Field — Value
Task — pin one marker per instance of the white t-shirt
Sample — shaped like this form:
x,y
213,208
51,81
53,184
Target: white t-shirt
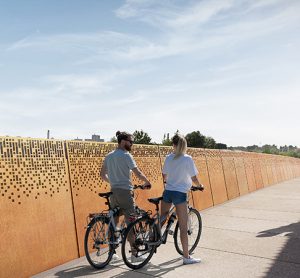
x,y
179,172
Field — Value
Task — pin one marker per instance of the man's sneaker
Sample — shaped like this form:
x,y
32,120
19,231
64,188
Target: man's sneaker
x,y
115,257
138,259
191,260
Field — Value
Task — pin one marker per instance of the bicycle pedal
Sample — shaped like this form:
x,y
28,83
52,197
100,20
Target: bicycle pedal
x,y
170,232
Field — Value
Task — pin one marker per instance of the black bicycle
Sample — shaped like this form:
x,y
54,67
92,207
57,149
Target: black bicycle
x,y
103,236
143,236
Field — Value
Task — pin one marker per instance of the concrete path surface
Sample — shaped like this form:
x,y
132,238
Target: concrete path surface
x,y
256,235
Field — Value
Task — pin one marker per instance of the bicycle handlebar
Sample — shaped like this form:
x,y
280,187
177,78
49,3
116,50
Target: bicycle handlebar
x,y
195,188
135,186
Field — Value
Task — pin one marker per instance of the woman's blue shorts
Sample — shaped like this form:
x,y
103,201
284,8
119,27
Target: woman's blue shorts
x,y
174,197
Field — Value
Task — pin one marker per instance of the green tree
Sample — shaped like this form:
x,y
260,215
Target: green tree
x,y
195,139
209,143
221,146
253,148
167,141
114,139
270,149
141,137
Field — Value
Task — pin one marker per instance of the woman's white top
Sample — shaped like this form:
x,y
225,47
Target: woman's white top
x,y
179,172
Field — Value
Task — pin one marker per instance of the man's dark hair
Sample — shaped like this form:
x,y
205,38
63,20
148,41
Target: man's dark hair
x,y
122,136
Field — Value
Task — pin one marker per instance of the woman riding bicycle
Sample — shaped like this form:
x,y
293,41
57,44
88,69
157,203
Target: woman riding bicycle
x,y
179,172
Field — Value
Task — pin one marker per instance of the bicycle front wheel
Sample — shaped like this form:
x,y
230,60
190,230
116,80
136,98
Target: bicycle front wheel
x,y
98,243
194,231
137,244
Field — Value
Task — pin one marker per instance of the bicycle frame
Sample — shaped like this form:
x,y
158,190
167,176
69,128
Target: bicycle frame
x,y
158,222
111,214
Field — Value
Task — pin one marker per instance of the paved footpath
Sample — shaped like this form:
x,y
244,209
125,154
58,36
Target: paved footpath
x,y
256,235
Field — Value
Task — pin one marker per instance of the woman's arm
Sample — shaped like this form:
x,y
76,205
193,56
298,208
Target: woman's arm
x,y
196,181
164,178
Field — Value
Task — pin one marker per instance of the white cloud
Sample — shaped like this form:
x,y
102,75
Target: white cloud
x,y
200,13
191,28
186,31
98,42
217,81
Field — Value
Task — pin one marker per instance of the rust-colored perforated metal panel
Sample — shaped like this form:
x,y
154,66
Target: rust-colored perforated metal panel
x,y
274,169
263,168
148,160
163,152
202,199
257,170
284,168
297,165
230,174
37,230
216,176
86,159
290,169
240,172
281,167
287,164
293,168
270,169
278,169
249,171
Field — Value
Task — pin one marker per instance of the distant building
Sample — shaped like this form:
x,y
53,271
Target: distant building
x,y
95,138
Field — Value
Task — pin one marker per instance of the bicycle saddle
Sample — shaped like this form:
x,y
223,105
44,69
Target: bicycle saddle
x,y
155,200
105,195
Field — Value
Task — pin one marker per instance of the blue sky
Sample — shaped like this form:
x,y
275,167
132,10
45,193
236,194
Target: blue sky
x,y
228,68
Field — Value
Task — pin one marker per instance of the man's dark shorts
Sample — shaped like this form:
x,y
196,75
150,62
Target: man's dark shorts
x,y
123,198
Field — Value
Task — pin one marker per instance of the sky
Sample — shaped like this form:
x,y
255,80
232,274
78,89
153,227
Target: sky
x,y
228,68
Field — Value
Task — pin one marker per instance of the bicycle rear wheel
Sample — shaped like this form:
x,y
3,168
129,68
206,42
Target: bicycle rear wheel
x,y
98,242
194,231
137,249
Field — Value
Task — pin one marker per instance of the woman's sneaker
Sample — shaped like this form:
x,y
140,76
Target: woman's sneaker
x,y
115,257
191,260
138,259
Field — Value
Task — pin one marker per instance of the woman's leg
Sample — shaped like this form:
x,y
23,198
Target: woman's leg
x,y
182,214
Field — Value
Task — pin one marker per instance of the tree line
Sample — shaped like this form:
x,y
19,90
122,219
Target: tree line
x,y
290,150
197,140
194,139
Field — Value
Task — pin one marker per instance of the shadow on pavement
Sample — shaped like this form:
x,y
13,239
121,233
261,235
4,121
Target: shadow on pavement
x,y
81,271
291,230
287,262
149,269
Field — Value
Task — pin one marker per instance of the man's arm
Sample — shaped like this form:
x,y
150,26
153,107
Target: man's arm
x,y
141,176
103,173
